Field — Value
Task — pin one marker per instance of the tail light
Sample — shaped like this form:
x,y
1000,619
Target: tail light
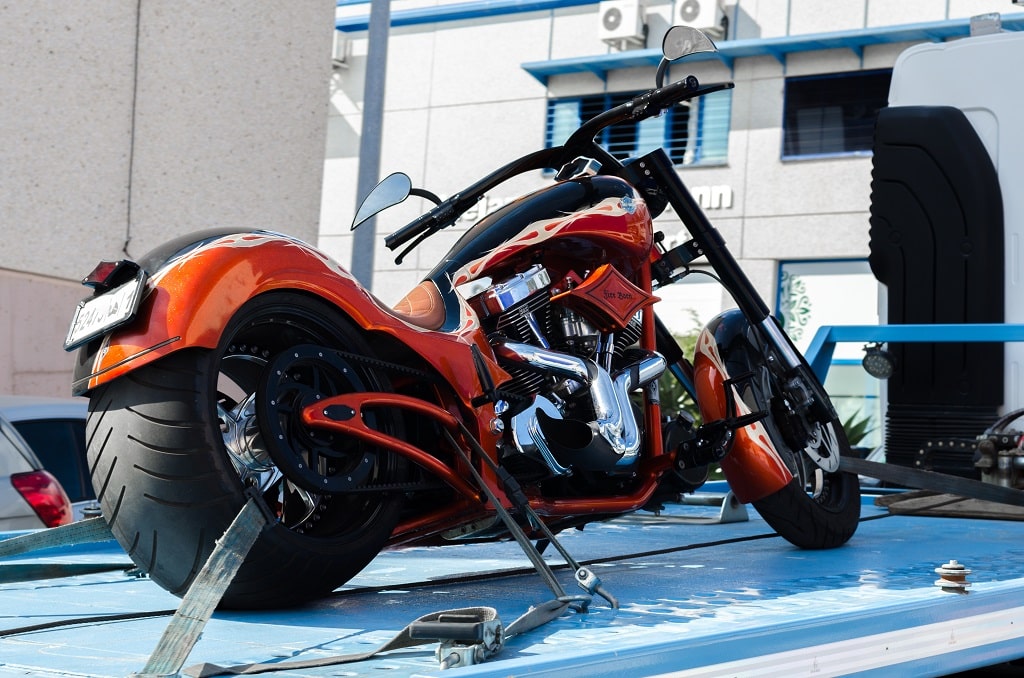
x,y
45,495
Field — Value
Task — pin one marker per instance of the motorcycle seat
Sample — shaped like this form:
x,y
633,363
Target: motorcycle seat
x,y
422,306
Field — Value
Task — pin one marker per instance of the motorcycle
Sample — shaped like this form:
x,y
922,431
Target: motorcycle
x,y
225,365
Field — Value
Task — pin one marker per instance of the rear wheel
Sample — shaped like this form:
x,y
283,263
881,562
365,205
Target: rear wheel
x,y
818,508
174,445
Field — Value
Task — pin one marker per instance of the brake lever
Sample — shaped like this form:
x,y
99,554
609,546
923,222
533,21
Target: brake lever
x,y
431,230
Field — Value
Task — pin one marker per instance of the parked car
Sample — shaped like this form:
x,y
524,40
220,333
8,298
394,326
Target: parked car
x,y
30,496
54,429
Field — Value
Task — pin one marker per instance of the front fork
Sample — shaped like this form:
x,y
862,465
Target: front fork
x,y
708,242
754,467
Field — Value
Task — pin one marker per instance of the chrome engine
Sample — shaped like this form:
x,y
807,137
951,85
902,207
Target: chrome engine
x,y
576,380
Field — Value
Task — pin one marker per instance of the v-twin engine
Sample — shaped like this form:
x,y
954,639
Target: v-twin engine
x,y
576,379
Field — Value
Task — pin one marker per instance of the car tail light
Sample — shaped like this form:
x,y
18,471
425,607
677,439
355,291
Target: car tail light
x,y
45,495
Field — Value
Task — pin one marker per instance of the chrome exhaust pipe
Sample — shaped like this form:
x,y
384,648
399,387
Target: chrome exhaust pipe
x,y
614,435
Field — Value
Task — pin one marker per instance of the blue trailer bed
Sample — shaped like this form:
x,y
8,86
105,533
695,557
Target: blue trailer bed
x,y
697,598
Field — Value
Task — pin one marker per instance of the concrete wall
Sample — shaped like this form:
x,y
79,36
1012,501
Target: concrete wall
x,y
124,124
35,312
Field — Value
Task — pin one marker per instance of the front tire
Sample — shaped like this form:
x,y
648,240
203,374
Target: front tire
x,y
817,509
174,445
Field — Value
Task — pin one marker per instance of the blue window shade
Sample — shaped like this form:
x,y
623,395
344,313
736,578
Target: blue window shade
x,y
712,133
563,119
692,134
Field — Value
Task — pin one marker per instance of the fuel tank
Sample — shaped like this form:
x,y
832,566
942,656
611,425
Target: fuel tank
x,y
588,221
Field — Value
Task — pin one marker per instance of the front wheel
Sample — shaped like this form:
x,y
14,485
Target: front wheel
x,y
175,445
818,508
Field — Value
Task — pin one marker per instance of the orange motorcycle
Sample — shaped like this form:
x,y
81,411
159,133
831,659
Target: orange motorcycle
x,y
229,365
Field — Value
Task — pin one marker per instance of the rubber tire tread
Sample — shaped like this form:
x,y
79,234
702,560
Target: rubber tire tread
x,y
168,491
794,514
805,523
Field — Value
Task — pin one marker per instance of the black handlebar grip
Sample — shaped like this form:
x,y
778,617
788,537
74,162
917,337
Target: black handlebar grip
x,y
409,231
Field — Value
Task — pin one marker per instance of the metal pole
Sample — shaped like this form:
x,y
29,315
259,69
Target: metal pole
x,y
370,139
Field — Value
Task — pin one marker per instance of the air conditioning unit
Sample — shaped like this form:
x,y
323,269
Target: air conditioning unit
x,y
707,15
621,23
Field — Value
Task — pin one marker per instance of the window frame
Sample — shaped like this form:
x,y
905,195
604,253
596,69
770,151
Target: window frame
x,y
789,133
67,463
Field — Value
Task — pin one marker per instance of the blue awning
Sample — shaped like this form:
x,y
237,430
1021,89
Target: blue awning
x,y
730,50
453,12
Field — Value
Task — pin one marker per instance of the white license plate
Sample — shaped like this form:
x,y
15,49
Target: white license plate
x,y
97,315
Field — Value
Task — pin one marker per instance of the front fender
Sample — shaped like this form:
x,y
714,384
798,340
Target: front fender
x,y
194,290
753,467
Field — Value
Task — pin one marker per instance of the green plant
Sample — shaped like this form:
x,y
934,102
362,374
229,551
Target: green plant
x,y
857,427
674,398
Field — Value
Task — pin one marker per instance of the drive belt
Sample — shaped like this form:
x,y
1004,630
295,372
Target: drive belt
x,y
931,480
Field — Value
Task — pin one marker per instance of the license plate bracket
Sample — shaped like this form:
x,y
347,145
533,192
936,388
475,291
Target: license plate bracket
x,y
98,315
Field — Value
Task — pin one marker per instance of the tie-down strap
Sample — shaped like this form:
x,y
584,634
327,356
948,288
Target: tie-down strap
x,y
468,635
931,480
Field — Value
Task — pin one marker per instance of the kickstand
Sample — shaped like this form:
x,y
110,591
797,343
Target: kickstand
x,y
585,578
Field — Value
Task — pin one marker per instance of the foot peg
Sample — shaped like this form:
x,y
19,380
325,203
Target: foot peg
x,y
710,442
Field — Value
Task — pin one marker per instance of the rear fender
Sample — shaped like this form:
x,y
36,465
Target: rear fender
x,y
753,467
194,292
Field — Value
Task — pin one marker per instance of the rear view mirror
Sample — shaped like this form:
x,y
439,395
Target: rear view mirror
x,y
681,41
392,190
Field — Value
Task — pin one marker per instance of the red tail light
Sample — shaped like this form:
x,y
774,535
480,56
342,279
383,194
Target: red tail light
x,y
45,495
108,274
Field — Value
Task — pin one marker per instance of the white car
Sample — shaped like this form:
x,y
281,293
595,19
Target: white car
x,y
30,497
54,429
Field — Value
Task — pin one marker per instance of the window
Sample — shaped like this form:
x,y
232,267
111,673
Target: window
x,y
813,294
696,133
14,458
60,446
833,114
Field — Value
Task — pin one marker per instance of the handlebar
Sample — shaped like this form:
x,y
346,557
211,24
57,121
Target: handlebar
x,y
445,214
581,142
643,106
422,224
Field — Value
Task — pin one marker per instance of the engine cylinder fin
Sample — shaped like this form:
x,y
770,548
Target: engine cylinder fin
x,y
628,337
524,382
517,322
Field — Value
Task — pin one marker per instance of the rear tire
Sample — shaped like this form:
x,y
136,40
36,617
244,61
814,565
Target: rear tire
x,y
169,487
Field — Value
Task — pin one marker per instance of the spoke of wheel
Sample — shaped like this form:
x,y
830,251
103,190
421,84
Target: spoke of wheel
x,y
819,482
307,498
313,461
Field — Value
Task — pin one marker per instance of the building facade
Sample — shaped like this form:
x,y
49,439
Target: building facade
x,y
126,126
781,163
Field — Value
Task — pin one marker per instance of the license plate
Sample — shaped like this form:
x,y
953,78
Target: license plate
x,y
96,316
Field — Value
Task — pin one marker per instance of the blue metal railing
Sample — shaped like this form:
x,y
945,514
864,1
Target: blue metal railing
x,y
476,9
819,353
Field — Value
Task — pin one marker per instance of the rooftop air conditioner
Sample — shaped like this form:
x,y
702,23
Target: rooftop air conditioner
x,y
707,15
621,23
